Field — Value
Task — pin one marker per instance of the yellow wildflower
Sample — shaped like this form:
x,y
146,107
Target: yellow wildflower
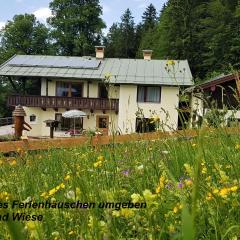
x,y
188,182
194,145
209,196
90,222
71,233
224,177
237,146
148,195
170,62
116,213
13,162
175,209
100,158
136,197
125,212
97,164
62,185
208,178
161,183
108,76
188,168
215,191
158,189
234,188
171,228
155,119
4,196
31,226
67,177
52,191
224,192
204,170
44,194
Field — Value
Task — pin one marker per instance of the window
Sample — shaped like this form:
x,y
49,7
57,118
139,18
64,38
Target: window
x,y
76,90
67,124
145,125
102,121
64,89
103,93
149,94
32,118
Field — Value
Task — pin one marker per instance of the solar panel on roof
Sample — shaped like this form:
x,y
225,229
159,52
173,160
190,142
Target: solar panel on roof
x,y
55,62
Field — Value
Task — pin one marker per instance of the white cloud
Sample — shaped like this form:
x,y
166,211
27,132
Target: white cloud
x,y
19,1
42,14
2,24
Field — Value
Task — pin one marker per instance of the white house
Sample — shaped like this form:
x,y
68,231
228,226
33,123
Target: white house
x,y
116,94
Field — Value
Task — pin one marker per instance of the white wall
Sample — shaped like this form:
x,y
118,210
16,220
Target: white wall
x,y
125,121
39,127
128,106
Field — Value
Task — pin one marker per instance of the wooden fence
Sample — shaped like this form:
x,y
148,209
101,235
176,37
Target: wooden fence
x,y
45,144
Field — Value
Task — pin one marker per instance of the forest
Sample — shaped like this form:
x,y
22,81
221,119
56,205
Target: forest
x,y
205,32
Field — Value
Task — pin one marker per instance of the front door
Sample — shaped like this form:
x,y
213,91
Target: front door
x,y
103,124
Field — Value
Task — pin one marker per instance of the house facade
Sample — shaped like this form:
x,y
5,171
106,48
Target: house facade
x,y
117,95
220,94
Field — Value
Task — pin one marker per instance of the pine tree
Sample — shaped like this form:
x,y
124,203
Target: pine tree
x,y
127,28
146,30
149,17
120,41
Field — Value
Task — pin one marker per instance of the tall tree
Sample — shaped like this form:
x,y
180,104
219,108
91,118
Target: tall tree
x,y
149,17
120,41
145,30
23,35
77,26
127,27
113,41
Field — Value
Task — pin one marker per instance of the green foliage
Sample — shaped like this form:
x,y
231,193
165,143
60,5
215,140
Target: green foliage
x,y
216,117
120,40
204,32
149,17
23,35
77,26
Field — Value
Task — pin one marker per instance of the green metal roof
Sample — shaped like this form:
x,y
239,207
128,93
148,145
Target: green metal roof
x,y
122,71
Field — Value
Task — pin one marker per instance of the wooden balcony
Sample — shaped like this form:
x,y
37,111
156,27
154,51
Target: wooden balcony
x,y
64,102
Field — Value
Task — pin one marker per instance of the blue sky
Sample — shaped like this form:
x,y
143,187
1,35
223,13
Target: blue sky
x,y
112,9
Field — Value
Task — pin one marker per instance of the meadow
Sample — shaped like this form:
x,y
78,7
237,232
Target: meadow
x,y
190,187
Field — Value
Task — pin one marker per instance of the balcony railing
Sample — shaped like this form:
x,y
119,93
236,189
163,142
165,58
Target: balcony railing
x,y
64,102
6,121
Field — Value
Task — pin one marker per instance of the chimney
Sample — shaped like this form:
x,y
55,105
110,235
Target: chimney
x,y
100,52
147,54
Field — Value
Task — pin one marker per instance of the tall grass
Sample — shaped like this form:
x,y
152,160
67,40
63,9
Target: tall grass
x,y
191,187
